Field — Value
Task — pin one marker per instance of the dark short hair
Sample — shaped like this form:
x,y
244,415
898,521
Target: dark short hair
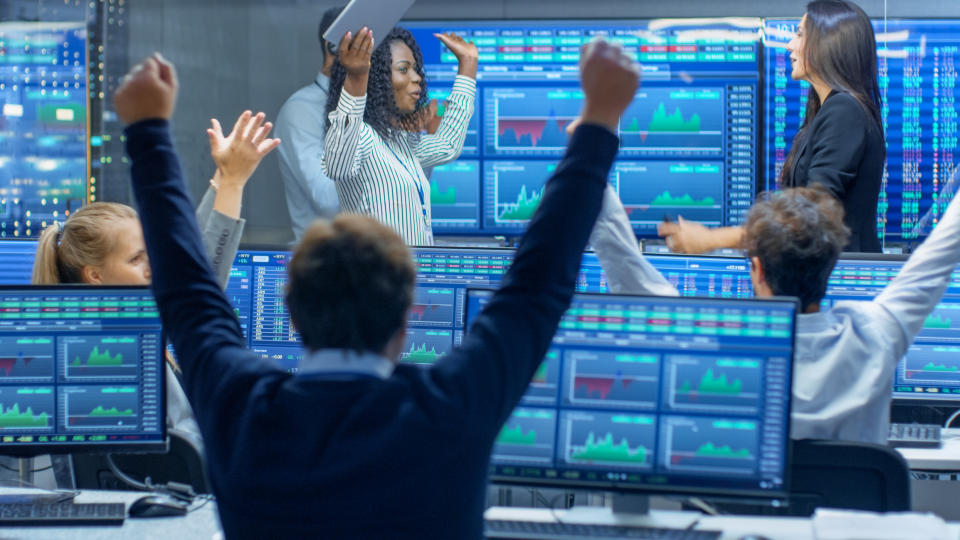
x,y
798,235
350,284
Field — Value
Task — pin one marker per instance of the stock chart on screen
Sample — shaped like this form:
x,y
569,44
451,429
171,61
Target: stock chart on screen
x,y
930,371
654,391
687,142
43,124
918,87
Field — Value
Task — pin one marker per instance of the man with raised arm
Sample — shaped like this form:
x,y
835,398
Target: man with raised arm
x,y
845,356
355,445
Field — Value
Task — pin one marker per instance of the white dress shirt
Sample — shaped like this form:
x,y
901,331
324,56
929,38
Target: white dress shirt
x,y
384,178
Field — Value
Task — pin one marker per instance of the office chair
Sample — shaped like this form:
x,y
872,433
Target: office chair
x,y
182,463
840,474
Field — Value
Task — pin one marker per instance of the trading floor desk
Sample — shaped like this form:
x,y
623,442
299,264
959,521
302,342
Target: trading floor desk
x,y
936,476
202,523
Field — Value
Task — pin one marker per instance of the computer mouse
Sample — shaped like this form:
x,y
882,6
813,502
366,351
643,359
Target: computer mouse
x,y
157,506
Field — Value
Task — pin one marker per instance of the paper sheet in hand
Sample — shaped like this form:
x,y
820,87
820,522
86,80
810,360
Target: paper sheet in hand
x,y
377,15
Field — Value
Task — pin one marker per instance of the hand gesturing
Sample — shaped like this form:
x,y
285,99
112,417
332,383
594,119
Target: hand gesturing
x,y
238,154
354,52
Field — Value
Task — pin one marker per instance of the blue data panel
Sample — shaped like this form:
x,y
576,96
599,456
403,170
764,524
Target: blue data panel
x,y
425,346
529,121
471,147
654,190
918,89
709,446
43,124
545,386
17,261
27,359
699,103
27,409
455,197
711,383
611,379
527,437
511,193
607,441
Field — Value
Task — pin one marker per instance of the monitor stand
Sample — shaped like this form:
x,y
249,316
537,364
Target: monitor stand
x,y
630,504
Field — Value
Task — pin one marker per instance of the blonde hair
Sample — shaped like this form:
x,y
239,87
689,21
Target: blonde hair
x,y
86,238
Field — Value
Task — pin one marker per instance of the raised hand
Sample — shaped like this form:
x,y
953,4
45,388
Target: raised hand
x,y
609,79
238,154
149,90
465,51
355,50
686,236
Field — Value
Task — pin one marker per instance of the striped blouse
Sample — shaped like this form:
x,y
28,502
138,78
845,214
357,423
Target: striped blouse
x,y
384,178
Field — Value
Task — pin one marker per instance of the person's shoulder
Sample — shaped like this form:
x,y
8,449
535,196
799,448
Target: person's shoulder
x,y
844,105
306,98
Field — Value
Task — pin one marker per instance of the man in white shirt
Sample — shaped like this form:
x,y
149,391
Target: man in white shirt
x,y
301,125
846,356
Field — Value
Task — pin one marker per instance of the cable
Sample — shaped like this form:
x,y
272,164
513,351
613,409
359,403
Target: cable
x,y
41,469
703,506
950,420
204,499
139,486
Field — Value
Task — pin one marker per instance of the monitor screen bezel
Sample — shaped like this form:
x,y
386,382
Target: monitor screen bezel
x,y
125,447
778,496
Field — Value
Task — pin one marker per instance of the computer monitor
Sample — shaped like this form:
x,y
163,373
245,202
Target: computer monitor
x,y
657,394
16,261
43,150
916,86
930,371
81,369
687,142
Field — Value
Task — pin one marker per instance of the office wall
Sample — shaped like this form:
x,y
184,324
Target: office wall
x,y
236,54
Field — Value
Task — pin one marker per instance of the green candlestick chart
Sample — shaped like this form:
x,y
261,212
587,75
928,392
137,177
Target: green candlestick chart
x,y
421,354
710,450
448,197
525,206
113,411
665,199
936,321
13,418
662,122
939,367
515,435
709,384
606,450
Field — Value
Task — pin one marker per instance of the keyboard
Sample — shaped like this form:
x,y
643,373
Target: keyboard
x,y
550,530
57,514
914,436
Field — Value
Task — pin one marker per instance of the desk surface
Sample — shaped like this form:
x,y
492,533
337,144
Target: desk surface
x,y
732,527
200,523
945,458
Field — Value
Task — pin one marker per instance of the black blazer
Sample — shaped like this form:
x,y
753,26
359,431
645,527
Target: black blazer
x,y
844,153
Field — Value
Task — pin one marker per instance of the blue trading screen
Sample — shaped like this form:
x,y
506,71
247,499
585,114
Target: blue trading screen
x,y
667,394
687,141
931,367
918,85
43,124
17,257
80,367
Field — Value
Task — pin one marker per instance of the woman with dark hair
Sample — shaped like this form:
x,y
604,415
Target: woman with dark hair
x,y
840,144
375,150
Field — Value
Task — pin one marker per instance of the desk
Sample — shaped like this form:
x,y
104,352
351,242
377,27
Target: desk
x,y
733,527
202,523
935,486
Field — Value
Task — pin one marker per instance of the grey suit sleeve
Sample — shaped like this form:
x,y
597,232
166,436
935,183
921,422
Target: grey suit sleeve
x,y
221,236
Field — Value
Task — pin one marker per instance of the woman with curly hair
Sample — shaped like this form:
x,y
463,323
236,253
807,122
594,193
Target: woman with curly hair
x,y
375,149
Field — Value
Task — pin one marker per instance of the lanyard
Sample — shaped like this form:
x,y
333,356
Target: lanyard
x,y
416,181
